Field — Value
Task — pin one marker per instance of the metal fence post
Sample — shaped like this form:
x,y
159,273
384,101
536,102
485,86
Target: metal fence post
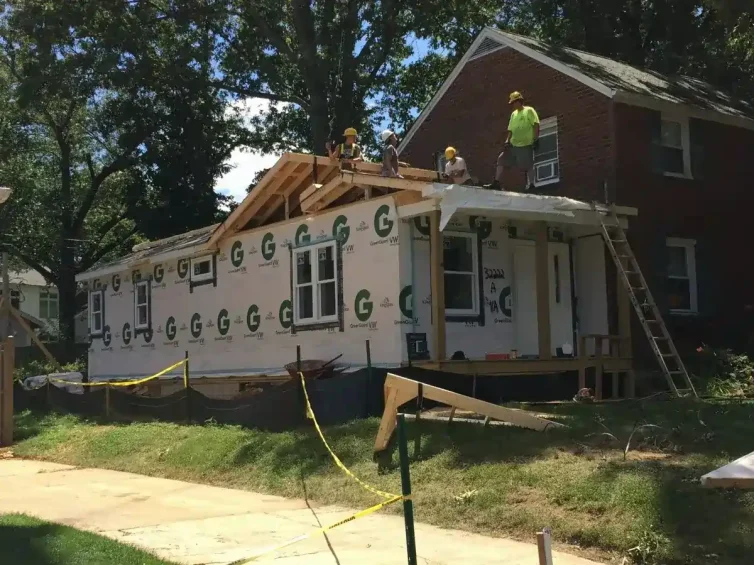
x,y
408,505
186,385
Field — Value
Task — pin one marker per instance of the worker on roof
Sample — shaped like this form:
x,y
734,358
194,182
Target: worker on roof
x,y
346,151
520,143
455,167
390,161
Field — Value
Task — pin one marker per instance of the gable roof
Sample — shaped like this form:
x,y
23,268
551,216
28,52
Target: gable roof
x,y
618,81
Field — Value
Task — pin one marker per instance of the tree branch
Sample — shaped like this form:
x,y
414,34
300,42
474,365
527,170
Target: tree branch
x,y
390,10
16,252
274,35
88,261
258,94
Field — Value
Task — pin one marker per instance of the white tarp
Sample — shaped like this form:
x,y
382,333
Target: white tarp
x,y
482,202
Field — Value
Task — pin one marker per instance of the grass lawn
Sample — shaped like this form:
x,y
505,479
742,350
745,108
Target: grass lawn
x,y
28,541
646,505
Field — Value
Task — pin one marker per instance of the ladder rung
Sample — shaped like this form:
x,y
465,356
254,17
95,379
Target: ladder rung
x,y
618,240
659,338
668,354
631,272
676,372
635,288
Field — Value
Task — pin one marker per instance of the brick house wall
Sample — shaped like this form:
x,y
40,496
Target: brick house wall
x,y
473,117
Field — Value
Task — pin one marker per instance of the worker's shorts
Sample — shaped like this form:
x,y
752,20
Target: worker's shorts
x,y
521,157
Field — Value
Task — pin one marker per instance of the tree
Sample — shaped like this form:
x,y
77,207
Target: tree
x,y
120,132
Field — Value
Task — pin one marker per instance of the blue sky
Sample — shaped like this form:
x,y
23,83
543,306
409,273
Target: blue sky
x,y
246,165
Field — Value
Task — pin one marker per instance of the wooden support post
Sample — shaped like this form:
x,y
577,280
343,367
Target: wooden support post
x,y
583,356
630,383
542,261
598,369
6,386
437,287
452,413
616,385
544,545
408,505
624,318
287,207
107,401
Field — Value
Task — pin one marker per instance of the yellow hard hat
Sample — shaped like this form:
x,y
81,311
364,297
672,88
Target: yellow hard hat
x,y
350,131
515,96
450,152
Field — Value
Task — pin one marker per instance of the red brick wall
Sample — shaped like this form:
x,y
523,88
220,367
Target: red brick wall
x,y
473,116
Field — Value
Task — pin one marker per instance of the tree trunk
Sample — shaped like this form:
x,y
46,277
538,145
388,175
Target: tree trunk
x,y
320,122
67,293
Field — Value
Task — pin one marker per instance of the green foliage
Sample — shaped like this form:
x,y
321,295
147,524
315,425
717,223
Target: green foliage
x,y
44,367
723,372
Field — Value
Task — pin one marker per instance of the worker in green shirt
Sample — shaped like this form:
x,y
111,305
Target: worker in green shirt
x,y
521,142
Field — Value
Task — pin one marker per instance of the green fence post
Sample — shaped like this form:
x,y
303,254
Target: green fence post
x,y
408,505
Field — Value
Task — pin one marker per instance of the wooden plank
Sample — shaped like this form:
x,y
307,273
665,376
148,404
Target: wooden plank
x,y
437,287
407,172
583,356
736,474
319,198
598,370
314,187
16,314
6,385
387,182
400,390
406,197
544,547
542,261
483,367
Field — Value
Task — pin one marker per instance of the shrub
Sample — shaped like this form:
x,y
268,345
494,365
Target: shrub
x,y
722,372
44,367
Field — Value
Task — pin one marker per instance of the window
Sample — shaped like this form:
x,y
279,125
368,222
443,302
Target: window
x,y
461,260
202,269
15,298
546,164
315,284
681,275
96,312
48,305
674,140
142,318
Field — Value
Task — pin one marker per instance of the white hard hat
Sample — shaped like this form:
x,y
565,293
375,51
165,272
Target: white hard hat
x,y
387,134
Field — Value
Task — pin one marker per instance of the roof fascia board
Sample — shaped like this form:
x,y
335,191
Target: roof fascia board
x,y
443,89
681,108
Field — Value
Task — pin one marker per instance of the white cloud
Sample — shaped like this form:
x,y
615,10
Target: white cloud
x,y
245,164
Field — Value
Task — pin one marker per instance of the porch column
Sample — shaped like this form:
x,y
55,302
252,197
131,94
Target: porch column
x,y
625,348
437,286
543,290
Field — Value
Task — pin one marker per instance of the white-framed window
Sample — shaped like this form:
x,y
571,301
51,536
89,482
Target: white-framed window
x,y
202,269
461,263
546,161
315,284
142,305
675,146
681,274
96,312
48,304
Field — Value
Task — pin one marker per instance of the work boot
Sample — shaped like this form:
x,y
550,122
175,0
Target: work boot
x,y
495,185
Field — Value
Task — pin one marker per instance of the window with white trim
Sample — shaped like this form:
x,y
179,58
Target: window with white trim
x,y
96,312
675,145
315,284
681,275
461,263
202,269
142,306
48,305
546,159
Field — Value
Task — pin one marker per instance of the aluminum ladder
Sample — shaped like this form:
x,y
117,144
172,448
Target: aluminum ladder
x,y
646,309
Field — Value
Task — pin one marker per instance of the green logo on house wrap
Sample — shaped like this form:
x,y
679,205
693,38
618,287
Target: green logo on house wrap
x,y
183,268
159,273
148,335
107,336
285,314
253,319
480,226
362,305
422,225
302,235
196,325
170,328
268,246
116,283
236,253
340,229
405,302
383,225
126,333
223,322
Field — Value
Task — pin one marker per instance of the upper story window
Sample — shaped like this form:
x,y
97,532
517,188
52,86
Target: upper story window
x,y
48,305
96,312
315,284
546,162
461,263
681,274
675,146
142,306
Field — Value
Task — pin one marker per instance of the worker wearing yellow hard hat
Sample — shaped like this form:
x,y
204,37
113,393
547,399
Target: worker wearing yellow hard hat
x,y
520,143
456,170
348,150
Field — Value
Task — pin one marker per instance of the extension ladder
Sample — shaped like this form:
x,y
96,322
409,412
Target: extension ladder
x,y
646,309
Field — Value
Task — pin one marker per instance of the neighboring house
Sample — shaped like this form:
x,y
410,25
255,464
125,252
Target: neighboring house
x,y
327,260
678,150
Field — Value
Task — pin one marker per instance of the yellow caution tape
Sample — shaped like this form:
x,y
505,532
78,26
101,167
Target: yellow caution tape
x,y
338,462
323,530
123,383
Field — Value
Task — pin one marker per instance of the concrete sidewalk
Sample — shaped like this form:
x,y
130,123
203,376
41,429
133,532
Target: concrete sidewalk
x,y
198,524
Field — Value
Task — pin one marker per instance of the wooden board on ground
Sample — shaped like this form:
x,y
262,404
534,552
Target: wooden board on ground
x,y
737,474
399,390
